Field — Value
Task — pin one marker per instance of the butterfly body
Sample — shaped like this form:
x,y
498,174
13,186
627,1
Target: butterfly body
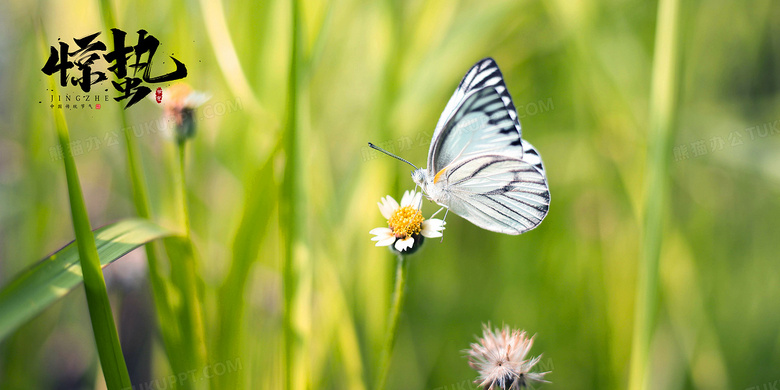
x,y
478,164
434,190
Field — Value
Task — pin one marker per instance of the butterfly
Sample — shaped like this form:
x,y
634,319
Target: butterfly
x,y
479,166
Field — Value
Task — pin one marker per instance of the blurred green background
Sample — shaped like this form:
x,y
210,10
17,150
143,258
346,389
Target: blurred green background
x,y
579,74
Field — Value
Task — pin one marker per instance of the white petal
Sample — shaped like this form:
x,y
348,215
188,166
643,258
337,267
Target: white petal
x,y
432,228
406,200
402,245
417,201
433,224
431,233
382,209
386,241
381,233
195,99
388,206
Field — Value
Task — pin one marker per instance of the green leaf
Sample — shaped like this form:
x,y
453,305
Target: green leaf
x,y
112,360
44,283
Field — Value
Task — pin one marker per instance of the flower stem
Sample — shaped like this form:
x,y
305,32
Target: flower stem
x,y
401,271
183,188
142,209
663,110
193,332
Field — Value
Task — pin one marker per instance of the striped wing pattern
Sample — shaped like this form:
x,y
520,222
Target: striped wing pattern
x,y
481,125
484,73
498,193
531,156
478,160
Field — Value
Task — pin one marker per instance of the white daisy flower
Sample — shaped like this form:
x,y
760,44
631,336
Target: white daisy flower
x,y
406,225
499,358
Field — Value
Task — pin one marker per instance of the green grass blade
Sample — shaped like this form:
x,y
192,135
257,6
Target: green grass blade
x,y
663,111
288,202
258,210
103,325
55,276
188,311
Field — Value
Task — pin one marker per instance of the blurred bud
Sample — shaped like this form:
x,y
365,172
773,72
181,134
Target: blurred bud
x,y
179,102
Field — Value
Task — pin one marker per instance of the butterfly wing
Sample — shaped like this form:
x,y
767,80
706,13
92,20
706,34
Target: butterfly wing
x,y
483,74
498,193
478,161
531,156
481,125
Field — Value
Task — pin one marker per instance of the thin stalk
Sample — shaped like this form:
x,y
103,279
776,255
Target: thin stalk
x,y
401,273
663,111
142,209
183,189
192,313
103,326
288,204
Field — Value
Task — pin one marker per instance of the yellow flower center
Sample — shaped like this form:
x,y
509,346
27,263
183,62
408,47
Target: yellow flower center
x,y
406,222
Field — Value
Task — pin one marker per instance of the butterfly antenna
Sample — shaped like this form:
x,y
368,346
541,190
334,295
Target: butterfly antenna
x,y
390,154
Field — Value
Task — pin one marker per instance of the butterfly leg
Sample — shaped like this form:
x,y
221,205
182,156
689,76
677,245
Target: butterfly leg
x,y
444,221
445,217
434,214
